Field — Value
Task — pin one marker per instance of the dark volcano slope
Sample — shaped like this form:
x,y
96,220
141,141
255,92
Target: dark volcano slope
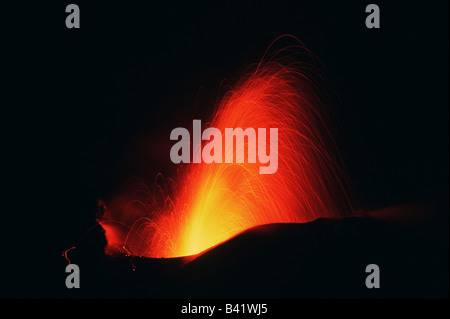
x,y
326,258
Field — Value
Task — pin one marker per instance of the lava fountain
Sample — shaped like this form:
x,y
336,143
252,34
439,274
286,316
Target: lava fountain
x,y
211,203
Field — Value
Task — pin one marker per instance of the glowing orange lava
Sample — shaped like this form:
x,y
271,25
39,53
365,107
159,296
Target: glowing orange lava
x,y
213,202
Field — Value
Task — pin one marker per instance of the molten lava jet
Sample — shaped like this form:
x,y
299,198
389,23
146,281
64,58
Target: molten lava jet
x,y
210,203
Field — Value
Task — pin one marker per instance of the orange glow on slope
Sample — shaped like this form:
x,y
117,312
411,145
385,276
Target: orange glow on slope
x,y
211,203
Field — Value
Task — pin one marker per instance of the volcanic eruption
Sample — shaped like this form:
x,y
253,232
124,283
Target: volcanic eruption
x,y
208,203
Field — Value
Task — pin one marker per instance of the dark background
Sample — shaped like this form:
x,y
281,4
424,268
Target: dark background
x,y
86,109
